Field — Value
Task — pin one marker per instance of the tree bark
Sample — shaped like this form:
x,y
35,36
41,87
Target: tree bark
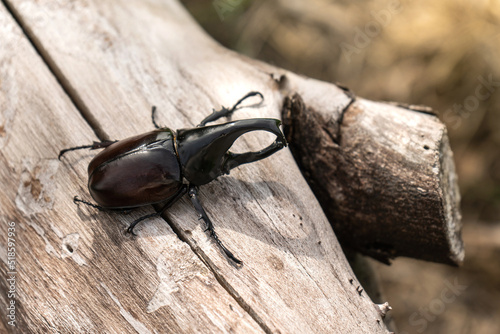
x,y
90,70
384,175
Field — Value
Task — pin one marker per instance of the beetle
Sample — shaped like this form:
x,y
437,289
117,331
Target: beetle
x,y
162,165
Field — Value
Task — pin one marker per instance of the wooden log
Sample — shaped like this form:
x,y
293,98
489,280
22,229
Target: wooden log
x,y
78,271
384,176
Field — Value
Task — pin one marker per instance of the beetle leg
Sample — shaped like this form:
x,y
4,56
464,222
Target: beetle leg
x,y
96,145
77,200
131,227
181,192
193,194
153,111
224,112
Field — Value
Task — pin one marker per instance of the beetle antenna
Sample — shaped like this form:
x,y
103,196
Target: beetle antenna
x,y
224,112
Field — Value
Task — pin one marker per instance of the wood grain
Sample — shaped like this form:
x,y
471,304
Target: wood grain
x,y
77,271
116,59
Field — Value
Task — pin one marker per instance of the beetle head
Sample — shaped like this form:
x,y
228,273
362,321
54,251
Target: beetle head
x,y
204,151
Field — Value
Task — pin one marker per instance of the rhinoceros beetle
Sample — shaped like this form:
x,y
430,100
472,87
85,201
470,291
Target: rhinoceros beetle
x,y
161,166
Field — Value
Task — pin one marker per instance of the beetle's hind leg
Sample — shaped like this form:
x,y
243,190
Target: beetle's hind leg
x,y
96,145
77,200
181,192
224,112
193,194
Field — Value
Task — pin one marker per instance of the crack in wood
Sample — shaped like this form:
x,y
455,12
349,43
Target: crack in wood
x,y
80,105
183,236
352,98
61,79
101,134
48,324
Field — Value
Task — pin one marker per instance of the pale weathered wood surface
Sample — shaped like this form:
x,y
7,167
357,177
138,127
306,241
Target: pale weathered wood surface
x,y
77,270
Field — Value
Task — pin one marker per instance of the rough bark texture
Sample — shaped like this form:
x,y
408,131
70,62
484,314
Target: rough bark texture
x,y
384,176
95,68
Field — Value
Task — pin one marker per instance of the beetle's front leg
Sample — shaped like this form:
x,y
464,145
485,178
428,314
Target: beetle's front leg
x,y
193,194
96,145
224,112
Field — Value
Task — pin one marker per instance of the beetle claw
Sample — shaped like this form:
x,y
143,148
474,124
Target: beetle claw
x,y
130,230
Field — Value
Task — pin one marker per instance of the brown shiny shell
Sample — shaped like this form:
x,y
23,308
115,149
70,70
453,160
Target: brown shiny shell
x,y
136,171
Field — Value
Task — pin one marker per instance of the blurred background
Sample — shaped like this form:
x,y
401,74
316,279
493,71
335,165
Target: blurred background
x,y
444,54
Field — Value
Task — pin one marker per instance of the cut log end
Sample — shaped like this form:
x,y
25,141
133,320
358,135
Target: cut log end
x,y
451,201
385,177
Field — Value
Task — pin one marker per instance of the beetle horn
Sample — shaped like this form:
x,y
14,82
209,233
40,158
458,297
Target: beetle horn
x,y
204,151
